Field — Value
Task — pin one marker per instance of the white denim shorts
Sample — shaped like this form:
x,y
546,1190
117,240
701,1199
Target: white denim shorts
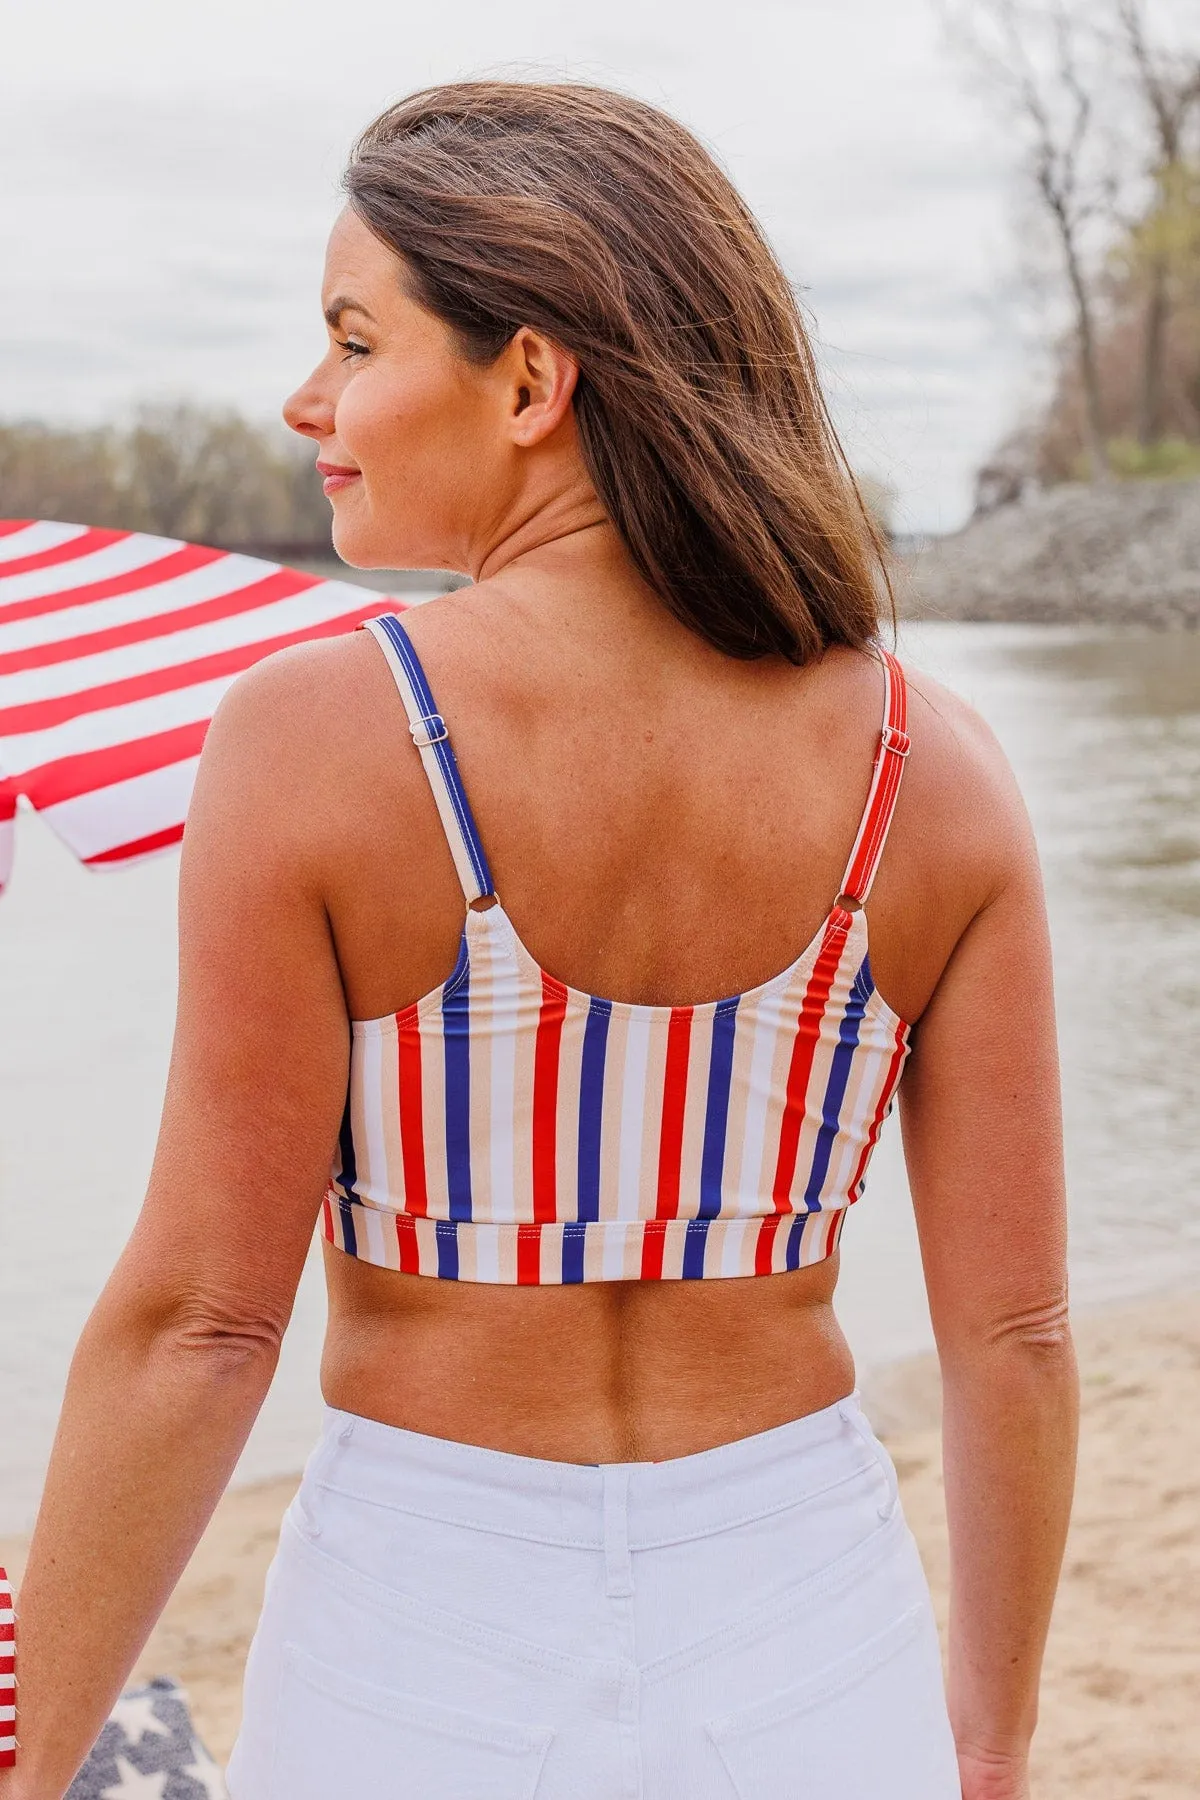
x,y
443,1622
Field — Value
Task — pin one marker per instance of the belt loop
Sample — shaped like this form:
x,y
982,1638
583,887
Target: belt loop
x,y
859,1423
618,1568
336,1428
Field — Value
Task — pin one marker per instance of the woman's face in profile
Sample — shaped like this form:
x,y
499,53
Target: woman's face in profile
x,y
398,414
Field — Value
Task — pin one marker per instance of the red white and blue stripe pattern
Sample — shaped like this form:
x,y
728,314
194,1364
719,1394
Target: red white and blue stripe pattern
x,y
8,1676
115,648
508,1128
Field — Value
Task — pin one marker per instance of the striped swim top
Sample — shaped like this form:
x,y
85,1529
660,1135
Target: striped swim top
x,y
509,1128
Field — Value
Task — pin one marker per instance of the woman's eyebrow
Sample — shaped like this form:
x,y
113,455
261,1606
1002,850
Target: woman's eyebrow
x,y
341,304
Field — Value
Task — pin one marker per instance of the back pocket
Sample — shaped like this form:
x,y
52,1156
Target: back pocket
x,y
872,1724
339,1738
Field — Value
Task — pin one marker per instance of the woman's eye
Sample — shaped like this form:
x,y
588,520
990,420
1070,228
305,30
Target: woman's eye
x,y
351,347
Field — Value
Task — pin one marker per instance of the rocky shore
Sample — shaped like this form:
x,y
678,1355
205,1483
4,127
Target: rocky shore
x,y
1122,553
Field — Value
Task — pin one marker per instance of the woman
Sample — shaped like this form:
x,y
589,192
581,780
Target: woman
x,y
595,1511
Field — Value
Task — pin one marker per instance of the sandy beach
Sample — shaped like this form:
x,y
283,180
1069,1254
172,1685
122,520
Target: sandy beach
x,y
1121,1710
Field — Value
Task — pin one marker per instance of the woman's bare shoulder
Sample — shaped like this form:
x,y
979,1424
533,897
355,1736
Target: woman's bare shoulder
x,y
302,729
960,781
296,688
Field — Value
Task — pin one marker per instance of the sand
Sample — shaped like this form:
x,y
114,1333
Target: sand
x,y
1120,1716
1121,1705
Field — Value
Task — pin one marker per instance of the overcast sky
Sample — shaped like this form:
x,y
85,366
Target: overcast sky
x,y
168,176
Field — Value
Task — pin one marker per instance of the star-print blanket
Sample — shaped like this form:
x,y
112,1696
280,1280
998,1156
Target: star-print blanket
x,y
149,1751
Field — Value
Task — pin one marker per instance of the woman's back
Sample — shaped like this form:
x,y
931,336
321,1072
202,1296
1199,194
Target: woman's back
x,y
665,826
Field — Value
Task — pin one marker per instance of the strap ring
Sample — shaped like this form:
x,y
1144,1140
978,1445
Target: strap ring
x,y
423,732
897,741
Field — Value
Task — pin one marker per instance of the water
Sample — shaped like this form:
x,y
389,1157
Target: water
x,y
1104,731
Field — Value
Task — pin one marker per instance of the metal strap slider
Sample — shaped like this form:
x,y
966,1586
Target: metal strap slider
x,y
429,730
898,742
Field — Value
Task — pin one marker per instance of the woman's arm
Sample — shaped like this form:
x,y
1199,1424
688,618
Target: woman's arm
x,y
982,1137
178,1354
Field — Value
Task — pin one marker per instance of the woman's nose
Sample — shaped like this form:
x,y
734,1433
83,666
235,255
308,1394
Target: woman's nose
x,y
308,411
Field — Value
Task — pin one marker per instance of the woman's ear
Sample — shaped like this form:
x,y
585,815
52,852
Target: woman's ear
x,y
541,384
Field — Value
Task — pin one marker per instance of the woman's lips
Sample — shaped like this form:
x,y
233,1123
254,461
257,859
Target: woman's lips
x,y
337,477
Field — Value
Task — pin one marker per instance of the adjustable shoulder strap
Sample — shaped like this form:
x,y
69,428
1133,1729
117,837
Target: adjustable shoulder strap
x,y
885,783
430,736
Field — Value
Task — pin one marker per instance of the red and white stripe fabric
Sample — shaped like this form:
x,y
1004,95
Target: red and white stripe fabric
x,y
8,1676
115,648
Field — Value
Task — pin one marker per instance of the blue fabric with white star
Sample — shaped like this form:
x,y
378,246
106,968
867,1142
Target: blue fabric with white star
x,y
149,1750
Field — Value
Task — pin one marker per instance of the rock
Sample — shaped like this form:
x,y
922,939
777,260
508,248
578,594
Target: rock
x,y
1126,553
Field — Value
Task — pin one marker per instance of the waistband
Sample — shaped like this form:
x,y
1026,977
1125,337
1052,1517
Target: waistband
x,y
566,1503
564,1251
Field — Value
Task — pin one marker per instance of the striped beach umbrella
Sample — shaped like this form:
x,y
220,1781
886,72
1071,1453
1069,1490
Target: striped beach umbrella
x,y
115,648
8,1676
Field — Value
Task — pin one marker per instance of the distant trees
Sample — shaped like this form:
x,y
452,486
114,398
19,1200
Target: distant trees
x,y
1167,84
1106,121
1039,66
1149,350
182,471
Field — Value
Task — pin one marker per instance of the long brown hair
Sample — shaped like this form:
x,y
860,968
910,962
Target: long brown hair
x,y
602,222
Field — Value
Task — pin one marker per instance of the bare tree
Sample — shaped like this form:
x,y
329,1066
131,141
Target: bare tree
x,y
1169,87
1041,63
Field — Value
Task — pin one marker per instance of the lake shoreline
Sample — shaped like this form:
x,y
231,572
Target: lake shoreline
x,y
1121,1707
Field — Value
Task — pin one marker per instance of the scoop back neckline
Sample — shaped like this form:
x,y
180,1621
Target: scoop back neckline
x,y
581,1000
